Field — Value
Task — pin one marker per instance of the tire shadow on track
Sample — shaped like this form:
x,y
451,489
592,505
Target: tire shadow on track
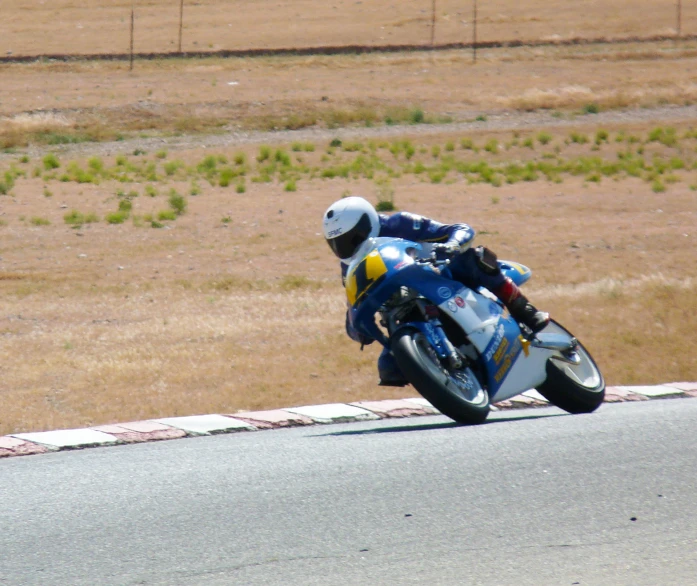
x,y
440,425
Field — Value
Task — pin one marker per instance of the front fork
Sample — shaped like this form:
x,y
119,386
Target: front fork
x,y
433,330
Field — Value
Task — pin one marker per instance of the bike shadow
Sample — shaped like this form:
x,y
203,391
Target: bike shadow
x,y
442,425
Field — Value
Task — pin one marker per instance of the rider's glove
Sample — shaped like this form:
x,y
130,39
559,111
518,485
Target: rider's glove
x,y
444,251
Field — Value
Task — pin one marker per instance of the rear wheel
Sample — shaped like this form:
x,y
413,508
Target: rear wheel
x,y
574,382
456,393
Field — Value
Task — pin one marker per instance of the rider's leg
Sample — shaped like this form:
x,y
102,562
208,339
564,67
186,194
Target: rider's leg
x,y
479,267
388,371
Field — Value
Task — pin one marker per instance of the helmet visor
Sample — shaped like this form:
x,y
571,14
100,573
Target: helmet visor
x,y
345,245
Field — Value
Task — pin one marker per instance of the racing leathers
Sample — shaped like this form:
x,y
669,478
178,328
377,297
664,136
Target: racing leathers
x,y
473,267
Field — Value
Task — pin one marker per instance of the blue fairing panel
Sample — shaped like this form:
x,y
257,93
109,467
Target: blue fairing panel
x,y
517,272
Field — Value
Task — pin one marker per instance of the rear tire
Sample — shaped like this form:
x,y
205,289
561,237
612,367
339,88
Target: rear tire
x,y
455,393
574,388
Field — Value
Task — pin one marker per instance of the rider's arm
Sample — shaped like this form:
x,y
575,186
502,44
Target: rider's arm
x,y
422,229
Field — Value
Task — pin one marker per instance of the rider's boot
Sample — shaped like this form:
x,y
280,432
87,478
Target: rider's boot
x,y
388,371
520,308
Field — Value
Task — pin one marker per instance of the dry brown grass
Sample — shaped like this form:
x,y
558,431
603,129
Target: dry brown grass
x,y
116,322
100,101
65,26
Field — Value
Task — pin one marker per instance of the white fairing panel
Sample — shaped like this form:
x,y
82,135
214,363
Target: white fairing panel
x,y
528,372
479,317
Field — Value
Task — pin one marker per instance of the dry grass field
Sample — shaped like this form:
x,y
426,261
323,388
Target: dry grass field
x,y
91,26
236,303
154,276
55,103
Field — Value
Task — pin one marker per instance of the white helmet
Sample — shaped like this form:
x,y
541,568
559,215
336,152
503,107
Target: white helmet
x,y
348,223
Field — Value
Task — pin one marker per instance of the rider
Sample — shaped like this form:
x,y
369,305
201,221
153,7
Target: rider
x,y
350,221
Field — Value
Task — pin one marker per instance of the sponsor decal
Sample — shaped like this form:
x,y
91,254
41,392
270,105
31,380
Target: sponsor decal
x,y
333,233
460,301
495,342
508,361
444,292
494,309
452,306
500,351
416,222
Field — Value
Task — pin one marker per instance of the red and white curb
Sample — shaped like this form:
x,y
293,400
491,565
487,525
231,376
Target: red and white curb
x,y
22,444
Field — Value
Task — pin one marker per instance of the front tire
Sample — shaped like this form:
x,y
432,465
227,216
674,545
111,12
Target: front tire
x,y
455,393
576,388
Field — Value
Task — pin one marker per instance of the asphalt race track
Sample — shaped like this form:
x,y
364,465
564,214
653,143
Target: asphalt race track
x,y
531,497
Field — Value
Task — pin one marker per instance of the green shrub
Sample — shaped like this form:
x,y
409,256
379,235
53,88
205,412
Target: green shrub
x,y
657,186
290,185
264,153
544,138
51,162
166,215
492,146
208,164
36,221
282,157
74,218
177,202
416,116
227,174
240,159
591,108
116,217
96,164
171,167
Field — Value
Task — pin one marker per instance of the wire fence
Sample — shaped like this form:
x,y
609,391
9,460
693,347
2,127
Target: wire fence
x,y
132,28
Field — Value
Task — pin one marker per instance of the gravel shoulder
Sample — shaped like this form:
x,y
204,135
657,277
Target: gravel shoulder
x,y
495,122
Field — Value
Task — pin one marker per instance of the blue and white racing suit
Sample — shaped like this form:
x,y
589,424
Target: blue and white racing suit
x,y
463,266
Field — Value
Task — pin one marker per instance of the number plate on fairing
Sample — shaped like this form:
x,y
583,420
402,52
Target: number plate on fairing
x,y
362,278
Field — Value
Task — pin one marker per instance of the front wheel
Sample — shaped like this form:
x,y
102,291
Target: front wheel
x,y
455,393
574,382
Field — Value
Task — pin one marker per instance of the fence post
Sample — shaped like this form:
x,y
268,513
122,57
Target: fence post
x,y
678,16
433,22
181,23
133,9
474,33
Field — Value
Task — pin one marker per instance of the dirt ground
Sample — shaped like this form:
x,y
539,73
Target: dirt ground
x,y
238,305
68,27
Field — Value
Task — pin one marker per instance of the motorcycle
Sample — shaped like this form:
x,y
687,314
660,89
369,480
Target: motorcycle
x,y
457,346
